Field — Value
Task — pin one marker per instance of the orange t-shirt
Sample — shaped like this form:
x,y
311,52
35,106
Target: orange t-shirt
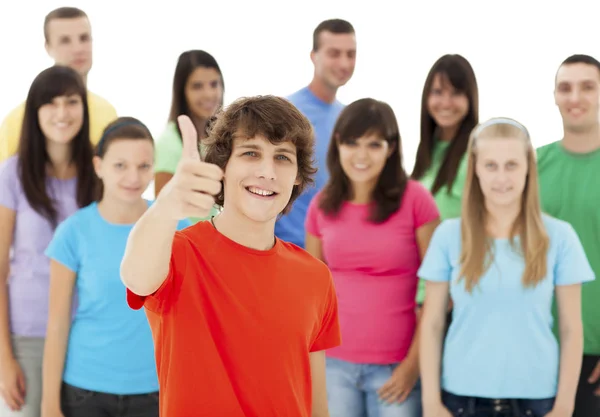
x,y
233,327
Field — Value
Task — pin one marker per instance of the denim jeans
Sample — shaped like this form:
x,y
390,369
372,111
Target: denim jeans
x,y
78,402
461,406
352,391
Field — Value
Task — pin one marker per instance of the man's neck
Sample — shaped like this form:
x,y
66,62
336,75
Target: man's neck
x,y
322,91
242,230
582,142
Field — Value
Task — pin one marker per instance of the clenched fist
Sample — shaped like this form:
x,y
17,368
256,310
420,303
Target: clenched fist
x,y
192,190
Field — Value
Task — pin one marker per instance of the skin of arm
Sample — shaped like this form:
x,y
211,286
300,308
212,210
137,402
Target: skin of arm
x,y
319,387
13,383
568,299
62,282
433,322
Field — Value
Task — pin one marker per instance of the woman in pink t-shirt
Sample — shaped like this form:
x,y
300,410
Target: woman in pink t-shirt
x,y
371,225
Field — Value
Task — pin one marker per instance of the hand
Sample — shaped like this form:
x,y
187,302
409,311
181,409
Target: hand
x,y
595,378
191,191
12,384
437,410
400,384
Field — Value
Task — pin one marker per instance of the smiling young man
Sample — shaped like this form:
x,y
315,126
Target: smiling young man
x,y
568,172
240,318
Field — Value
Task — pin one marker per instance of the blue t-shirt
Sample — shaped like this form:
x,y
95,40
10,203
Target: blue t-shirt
x,y
110,346
500,342
322,116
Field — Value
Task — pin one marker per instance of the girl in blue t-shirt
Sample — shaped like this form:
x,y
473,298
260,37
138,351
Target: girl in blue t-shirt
x,y
502,263
101,360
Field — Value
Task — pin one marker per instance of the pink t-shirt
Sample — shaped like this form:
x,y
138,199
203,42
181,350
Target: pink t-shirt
x,y
374,268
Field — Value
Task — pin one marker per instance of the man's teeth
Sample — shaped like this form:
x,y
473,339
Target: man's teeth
x,y
259,191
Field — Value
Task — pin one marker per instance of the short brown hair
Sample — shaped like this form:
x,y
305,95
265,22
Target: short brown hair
x,y
61,13
277,120
337,26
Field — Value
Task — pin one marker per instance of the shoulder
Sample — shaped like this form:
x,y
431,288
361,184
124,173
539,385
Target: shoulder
x,y
297,259
16,114
557,229
99,103
415,189
9,170
170,135
448,228
81,218
545,150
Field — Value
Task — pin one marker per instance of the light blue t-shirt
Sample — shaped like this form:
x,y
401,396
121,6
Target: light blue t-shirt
x,y
110,346
322,116
500,342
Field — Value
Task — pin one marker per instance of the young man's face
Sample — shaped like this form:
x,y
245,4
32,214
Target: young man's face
x,y
259,178
70,43
577,95
335,59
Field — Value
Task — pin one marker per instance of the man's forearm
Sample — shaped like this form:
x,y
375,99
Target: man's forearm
x,y
145,264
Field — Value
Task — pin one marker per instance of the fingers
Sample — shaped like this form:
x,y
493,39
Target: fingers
x,y
391,392
202,169
12,397
195,203
200,185
189,137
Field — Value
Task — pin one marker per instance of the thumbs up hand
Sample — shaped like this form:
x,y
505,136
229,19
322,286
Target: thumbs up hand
x,y
192,190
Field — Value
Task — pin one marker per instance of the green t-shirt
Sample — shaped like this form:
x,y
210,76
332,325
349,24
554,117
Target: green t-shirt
x,y
169,148
569,191
448,203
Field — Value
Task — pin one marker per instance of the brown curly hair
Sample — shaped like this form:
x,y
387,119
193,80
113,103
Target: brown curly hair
x,y
273,117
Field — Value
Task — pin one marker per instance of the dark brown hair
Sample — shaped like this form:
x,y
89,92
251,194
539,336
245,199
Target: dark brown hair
x,y
276,119
61,13
456,71
33,156
120,129
187,63
581,59
361,118
337,26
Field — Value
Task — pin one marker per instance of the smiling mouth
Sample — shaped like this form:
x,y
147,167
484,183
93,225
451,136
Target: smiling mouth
x,y
260,192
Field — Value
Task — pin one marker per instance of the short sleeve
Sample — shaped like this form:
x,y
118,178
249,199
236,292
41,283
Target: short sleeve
x,y
436,265
329,335
311,224
572,265
161,299
63,247
424,207
168,150
8,184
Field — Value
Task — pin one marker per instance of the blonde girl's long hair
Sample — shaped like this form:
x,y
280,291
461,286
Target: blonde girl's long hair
x,y
477,249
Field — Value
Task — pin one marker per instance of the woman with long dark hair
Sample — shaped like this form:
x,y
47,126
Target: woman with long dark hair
x,y
49,179
198,89
371,225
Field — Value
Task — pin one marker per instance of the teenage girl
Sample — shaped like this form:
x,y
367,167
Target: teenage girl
x,y
101,361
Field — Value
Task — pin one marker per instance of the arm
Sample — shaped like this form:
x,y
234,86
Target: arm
x,y
314,246
145,263
12,382
160,180
423,234
62,282
568,299
430,353
190,193
319,387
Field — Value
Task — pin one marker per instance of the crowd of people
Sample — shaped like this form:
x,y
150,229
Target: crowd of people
x,y
289,264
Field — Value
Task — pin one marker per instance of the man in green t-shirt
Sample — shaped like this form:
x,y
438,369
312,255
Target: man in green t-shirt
x,y
569,170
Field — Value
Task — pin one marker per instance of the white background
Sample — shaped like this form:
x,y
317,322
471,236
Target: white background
x,y
263,47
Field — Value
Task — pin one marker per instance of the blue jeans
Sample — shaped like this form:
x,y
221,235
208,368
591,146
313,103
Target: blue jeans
x,y
352,391
460,406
